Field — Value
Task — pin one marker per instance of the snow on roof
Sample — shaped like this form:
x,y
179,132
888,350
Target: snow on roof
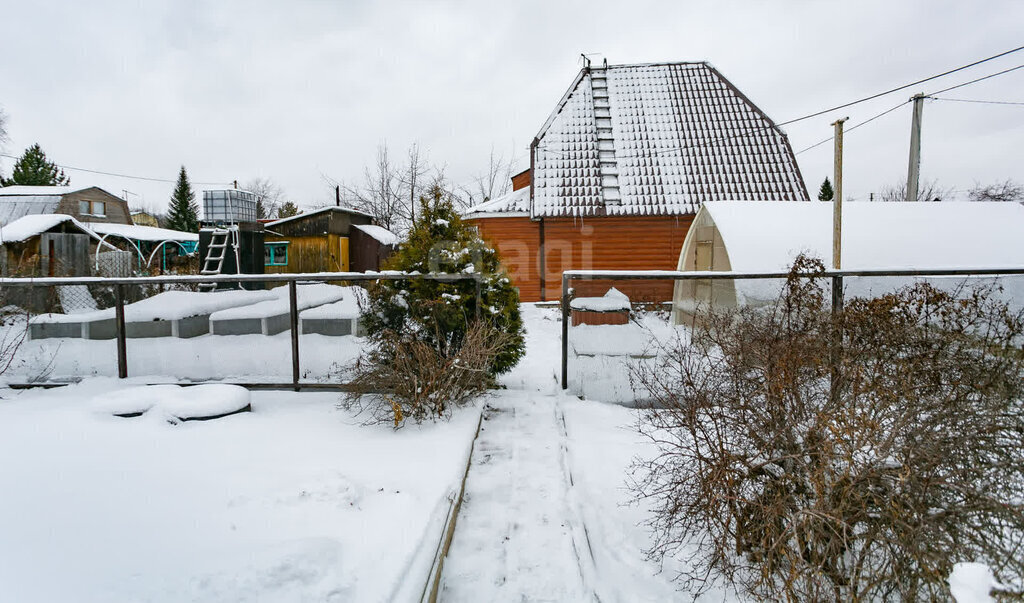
x,y
347,210
141,233
513,203
658,140
383,235
26,227
36,190
765,236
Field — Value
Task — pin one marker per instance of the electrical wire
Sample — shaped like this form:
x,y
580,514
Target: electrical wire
x,y
78,169
977,80
854,127
969,100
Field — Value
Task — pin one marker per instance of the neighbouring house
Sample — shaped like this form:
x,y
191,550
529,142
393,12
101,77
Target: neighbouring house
x,y
620,168
90,204
331,239
767,237
144,218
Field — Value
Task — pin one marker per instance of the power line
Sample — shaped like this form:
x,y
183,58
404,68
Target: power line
x,y
968,100
844,105
854,127
977,80
78,169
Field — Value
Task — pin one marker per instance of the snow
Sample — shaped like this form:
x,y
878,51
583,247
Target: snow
x,y
307,296
295,501
612,301
767,236
173,402
971,583
142,233
172,305
347,307
515,203
381,234
26,227
7,191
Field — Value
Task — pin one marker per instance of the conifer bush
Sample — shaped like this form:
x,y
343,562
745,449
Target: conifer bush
x,y
427,333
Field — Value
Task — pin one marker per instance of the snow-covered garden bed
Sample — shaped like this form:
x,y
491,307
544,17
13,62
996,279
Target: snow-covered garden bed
x,y
294,501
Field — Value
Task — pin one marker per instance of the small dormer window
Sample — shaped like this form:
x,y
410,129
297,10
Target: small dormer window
x,y
92,208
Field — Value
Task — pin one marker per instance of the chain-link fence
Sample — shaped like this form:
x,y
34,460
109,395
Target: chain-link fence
x,y
606,338
254,329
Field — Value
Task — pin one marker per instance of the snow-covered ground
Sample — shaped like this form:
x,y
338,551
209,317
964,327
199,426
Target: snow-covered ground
x,y
299,501
295,501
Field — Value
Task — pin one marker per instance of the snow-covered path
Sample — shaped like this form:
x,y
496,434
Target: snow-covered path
x,y
519,535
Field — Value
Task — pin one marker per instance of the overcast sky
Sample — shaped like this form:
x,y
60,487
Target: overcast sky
x,y
297,90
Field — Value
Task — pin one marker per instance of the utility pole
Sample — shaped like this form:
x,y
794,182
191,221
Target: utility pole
x,y
837,202
914,171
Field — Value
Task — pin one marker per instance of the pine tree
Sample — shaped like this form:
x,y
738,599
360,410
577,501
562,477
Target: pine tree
x,y
287,210
183,211
825,193
34,169
436,312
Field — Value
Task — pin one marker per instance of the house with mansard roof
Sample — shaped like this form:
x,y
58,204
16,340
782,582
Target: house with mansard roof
x,y
620,168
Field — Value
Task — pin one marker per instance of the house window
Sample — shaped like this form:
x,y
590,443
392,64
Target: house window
x,y
92,208
275,254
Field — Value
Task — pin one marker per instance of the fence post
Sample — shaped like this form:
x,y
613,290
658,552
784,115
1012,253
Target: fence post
x,y
293,311
565,331
122,346
835,378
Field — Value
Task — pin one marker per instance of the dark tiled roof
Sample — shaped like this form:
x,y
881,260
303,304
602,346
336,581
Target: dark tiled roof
x,y
658,140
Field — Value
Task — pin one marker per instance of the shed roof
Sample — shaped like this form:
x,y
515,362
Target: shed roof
x,y
347,210
26,227
658,139
764,236
141,233
381,234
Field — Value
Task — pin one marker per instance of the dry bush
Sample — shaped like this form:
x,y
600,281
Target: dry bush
x,y
778,483
403,376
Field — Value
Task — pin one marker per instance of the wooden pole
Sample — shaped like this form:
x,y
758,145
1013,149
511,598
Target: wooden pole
x,y
122,346
565,331
837,201
293,311
914,169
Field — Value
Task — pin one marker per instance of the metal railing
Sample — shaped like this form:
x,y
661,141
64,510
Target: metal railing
x,y
836,277
119,285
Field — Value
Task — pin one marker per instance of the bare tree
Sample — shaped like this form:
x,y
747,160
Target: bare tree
x,y
269,195
414,179
3,127
927,191
494,182
380,193
1007,191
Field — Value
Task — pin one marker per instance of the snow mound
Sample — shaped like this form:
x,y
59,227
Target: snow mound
x,y
347,308
175,403
613,301
307,296
169,305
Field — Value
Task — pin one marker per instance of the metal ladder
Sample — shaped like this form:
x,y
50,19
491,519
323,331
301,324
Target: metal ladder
x,y
213,263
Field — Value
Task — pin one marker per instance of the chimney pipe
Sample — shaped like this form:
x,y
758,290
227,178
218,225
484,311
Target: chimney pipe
x,y
337,195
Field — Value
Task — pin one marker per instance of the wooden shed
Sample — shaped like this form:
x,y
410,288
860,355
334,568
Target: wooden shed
x,y
621,167
767,237
331,239
46,245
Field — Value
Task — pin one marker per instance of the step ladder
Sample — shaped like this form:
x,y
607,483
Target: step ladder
x,y
216,251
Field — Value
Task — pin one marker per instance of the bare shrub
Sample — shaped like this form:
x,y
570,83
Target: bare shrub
x,y
785,484
404,376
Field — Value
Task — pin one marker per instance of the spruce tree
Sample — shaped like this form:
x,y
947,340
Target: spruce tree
x,y
34,169
825,193
183,211
439,313
287,210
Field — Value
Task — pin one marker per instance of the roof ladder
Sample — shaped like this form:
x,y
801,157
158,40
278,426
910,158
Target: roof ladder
x,y
605,139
